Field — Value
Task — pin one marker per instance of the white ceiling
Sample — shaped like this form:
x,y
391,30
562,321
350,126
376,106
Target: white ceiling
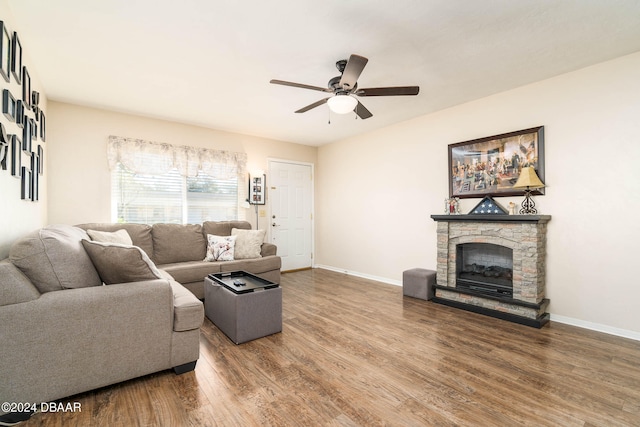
x,y
209,62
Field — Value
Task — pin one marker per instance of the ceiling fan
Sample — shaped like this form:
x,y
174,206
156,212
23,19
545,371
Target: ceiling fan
x,y
345,86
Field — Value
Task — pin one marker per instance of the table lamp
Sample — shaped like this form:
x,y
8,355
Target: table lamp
x,y
528,180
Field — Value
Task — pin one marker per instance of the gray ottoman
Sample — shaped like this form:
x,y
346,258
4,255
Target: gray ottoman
x,y
419,283
243,317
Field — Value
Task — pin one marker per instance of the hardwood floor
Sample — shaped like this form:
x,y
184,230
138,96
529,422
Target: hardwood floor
x,y
357,353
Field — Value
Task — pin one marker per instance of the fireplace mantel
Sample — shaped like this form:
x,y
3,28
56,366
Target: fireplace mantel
x,y
492,218
525,235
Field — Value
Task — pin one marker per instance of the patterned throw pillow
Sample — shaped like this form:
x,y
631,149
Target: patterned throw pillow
x,y
220,248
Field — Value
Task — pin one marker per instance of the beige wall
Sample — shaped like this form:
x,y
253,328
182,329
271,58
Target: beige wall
x,y
376,191
79,177
18,217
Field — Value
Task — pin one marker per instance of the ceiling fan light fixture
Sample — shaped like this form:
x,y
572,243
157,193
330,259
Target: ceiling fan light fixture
x,y
342,104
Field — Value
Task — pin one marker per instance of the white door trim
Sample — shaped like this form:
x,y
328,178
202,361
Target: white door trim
x,y
313,210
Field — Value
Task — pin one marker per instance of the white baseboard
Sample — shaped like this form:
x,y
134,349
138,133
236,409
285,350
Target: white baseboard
x,y
625,333
362,275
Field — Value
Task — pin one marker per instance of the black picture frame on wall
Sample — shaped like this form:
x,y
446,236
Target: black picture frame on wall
x,y
26,135
40,160
20,117
490,166
5,52
257,186
4,150
16,58
43,127
35,177
26,88
25,188
34,129
5,143
8,105
16,156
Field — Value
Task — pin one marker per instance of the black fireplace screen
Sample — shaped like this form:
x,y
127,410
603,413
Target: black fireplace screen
x,y
485,268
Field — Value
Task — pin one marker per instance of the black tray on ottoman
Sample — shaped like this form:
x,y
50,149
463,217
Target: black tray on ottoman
x,y
241,282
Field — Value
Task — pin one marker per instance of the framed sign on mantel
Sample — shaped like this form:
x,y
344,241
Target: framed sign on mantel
x,y
492,165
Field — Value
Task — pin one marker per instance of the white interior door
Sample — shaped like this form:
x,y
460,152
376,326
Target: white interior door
x,y
291,200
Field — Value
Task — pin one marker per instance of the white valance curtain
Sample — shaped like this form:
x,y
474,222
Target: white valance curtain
x,y
134,154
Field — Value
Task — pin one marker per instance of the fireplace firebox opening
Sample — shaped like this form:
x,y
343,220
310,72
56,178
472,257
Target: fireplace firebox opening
x,y
485,268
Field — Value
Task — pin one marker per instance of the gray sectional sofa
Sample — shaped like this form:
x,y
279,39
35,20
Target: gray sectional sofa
x,y
180,249
77,314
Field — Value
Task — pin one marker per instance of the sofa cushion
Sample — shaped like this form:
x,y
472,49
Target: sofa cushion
x,y
220,248
177,243
254,266
16,287
223,228
190,271
188,311
140,233
120,236
248,243
121,263
53,258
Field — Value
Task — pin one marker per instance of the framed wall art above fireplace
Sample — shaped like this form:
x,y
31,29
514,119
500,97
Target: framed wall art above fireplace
x,y
492,165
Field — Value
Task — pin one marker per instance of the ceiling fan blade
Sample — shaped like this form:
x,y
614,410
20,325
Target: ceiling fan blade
x,y
300,85
362,111
388,91
352,71
314,105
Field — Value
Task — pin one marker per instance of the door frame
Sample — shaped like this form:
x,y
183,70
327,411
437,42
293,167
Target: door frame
x,y
313,209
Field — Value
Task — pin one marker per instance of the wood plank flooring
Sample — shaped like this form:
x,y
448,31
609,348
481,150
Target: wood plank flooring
x,y
354,352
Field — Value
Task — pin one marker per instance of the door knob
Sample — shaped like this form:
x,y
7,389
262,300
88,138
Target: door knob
x,y
275,225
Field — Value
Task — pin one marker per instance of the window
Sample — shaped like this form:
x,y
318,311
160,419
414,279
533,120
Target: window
x,y
147,188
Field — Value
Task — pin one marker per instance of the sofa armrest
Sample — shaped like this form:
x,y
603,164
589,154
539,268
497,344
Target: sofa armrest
x,y
70,341
268,249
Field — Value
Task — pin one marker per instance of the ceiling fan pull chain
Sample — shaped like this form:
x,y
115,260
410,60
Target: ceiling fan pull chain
x,y
329,110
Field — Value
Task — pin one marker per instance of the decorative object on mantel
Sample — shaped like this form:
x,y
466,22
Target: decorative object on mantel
x,y
488,206
528,180
491,165
452,206
512,208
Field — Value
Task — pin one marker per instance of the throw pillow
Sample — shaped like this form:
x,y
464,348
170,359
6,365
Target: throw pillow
x,y
248,243
118,263
120,236
220,248
53,259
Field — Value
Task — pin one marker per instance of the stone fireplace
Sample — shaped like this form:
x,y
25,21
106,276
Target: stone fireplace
x,y
494,265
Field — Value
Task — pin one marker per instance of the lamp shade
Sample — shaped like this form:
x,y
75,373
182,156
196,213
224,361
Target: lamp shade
x,y
528,179
342,104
